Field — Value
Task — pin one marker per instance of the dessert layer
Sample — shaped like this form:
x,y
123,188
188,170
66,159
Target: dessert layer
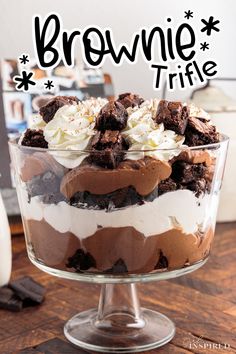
x,y
181,209
144,175
109,249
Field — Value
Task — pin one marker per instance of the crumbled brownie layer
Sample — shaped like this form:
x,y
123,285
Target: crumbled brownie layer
x,y
173,115
34,138
108,148
119,199
130,100
50,108
113,116
186,176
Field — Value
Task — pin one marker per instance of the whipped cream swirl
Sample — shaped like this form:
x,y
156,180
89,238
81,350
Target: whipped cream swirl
x,y
144,134
71,129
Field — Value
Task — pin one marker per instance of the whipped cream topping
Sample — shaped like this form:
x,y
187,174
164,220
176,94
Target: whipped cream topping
x,y
73,126
71,129
37,122
144,134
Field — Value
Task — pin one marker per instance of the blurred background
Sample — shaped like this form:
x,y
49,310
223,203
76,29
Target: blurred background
x,y
124,17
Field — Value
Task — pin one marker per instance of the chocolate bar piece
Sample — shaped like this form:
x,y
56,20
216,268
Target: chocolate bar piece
x,y
108,148
28,289
34,138
51,107
130,100
200,132
173,115
113,116
9,300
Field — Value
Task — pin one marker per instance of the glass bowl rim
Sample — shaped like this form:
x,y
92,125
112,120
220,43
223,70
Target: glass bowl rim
x,y
223,139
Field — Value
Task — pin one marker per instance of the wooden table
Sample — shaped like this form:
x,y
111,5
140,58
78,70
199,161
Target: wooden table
x,y
202,304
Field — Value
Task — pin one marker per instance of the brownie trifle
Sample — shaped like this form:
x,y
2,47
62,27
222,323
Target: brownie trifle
x,y
116,187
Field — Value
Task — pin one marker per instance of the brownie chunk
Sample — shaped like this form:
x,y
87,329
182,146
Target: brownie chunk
x,y
162,262
81,261
167,185
130,99
184,172
49,109
173,115
119,267
200,132
113,116
199,186
108,148
34,138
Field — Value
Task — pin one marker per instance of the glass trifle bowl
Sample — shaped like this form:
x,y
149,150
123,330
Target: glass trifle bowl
x,y
118,216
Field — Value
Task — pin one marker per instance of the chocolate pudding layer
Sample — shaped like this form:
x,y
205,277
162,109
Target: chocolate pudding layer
x,y
116,250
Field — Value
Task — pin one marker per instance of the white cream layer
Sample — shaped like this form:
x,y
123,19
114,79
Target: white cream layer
x,y
173,209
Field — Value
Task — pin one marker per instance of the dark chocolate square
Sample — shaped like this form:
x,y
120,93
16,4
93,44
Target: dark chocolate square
x,y
27,288
9,300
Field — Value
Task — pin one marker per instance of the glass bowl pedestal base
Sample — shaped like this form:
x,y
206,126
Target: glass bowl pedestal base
x,y
119,325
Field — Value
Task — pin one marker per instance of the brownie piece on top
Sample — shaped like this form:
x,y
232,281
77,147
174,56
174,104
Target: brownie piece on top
x,y
50,108
113,116
200,132
108,148
130,100
34,138
174,116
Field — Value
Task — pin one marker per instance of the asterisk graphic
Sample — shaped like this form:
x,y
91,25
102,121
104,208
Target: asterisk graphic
x,y
48,85
210,25
204,46
24,59
188,14
24,81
